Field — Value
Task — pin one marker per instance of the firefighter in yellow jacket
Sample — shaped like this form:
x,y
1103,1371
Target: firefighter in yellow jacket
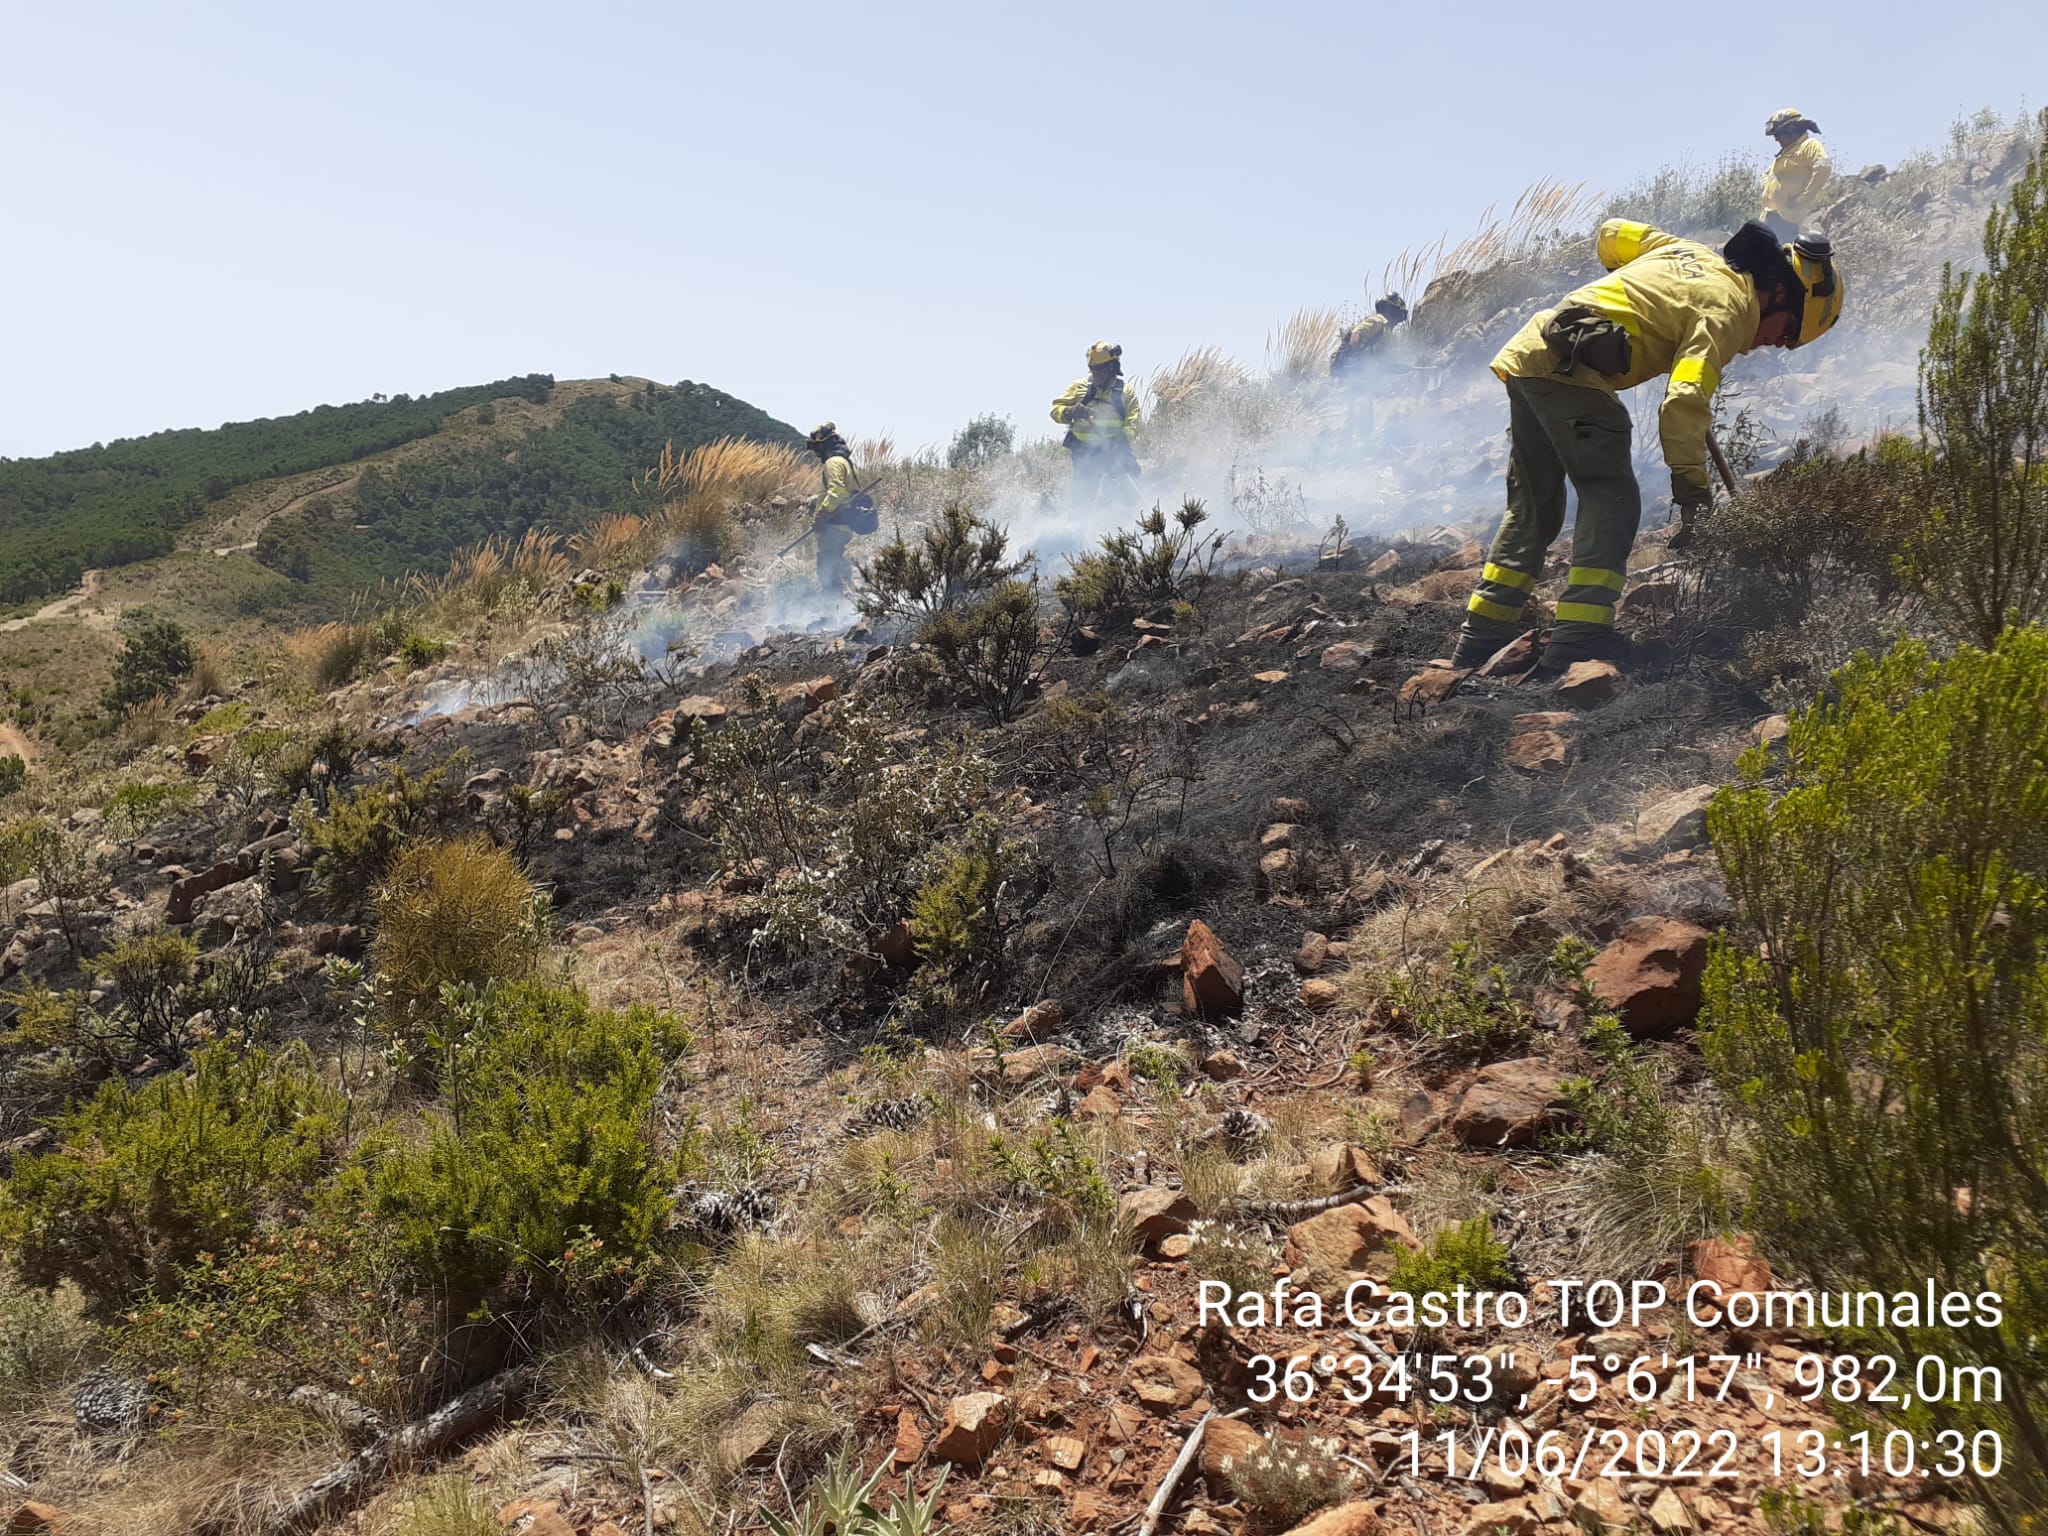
x,y
842,511
1100,414
1793,185
1669,306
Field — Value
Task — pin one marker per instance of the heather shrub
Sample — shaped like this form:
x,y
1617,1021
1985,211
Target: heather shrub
x,y
957,558
548,1171
147,1178
361,833
1879,1021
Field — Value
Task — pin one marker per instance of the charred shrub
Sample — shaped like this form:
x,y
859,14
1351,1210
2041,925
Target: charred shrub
x,y
1154,561
1800,570
958,558
990,648
841,833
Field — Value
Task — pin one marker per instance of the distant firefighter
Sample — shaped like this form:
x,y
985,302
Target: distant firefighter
x,y
842,510
1100,414
1793,185
1668,306
1366,338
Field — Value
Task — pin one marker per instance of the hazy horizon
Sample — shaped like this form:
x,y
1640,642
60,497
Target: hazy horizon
x,y
899,220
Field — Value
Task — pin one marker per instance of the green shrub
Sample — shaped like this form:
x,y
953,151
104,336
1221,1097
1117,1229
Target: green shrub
x,y
13,774
958,558
547,1169
1464,1010
133,807
1467,1254
458,913
355,842
69,872
1881,1019
155,658
990,647
981,442
1154,561
146,1179
1982,553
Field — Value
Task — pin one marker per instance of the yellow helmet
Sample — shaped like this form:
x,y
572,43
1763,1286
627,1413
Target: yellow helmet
x,y
1813,263
1104,352
1784,117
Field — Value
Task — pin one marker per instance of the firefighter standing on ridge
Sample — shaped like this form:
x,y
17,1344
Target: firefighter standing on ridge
x,y
1668,306
1349,364
1100,414
842,511
1793,184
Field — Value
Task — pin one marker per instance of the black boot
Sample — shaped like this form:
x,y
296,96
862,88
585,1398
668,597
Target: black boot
x,y
1476,648
1559,655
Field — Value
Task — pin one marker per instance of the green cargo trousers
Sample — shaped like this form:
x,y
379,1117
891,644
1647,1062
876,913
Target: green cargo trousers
x,y
1559,432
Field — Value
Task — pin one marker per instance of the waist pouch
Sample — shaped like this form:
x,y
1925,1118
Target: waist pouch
x,y
859,514
1578,335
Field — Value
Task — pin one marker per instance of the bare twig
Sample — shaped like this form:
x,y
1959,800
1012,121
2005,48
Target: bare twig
x,y
1157,1507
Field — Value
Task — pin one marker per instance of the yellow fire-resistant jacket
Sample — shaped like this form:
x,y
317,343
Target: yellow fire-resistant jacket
x,y
1360,341
1098,420
1687,313
1796,178
838,485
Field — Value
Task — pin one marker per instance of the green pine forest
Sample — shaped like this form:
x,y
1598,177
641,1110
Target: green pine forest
x,y
126,501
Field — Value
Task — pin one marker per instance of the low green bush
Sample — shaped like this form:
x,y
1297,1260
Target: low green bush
x,y
356,840
1154,561
1467,1254
547,1171
147,1178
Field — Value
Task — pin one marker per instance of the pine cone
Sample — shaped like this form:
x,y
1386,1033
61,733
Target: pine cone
x,y
106,1403
888,1115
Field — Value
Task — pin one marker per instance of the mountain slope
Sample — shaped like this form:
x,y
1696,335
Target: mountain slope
x,y
433,473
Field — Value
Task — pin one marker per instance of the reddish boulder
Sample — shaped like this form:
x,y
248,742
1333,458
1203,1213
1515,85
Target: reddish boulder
x,y
1212,983
1676,821
1517,656
1509,1104
974,1424
1432,685
1151,1214
1357,1518
1650,975
1535,751
1348,1237
1589,682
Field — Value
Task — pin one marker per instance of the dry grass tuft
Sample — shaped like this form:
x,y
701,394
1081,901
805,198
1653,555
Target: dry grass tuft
x,y
449,1506
494,576
613,543
1200,373
1301,347
329,655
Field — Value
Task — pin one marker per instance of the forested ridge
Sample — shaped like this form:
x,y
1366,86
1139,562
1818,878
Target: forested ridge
x,y
119,502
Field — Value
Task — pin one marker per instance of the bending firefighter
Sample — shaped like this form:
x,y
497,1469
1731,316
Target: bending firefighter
x,y
1351,367
1792,187
842,510
1670,306
1101,417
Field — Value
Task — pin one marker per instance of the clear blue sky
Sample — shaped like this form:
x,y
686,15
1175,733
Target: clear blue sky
x,y
894,215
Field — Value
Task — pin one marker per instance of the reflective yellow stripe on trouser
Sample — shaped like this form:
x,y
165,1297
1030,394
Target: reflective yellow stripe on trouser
x,y
1501,592
1584,590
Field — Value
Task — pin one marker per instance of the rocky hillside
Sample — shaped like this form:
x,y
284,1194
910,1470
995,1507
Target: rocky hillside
x,y
614,1040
